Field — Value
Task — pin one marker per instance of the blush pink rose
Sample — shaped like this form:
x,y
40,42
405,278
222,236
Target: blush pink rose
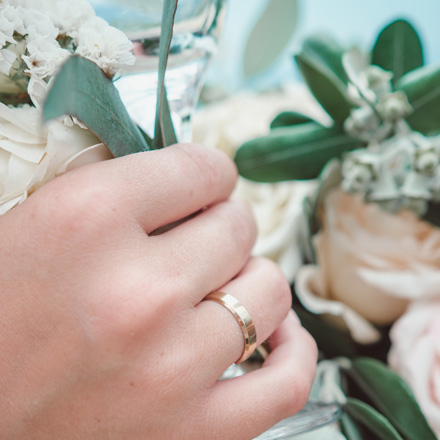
x,y
371,264
415,355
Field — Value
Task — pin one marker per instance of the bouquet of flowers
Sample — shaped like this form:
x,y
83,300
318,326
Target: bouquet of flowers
x,y
369,291
36,38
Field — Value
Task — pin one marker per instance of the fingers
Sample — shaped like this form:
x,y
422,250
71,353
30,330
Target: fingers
x,y
252,403
164,186
205,252
264,292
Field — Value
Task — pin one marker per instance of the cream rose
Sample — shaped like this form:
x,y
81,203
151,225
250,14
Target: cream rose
x,y
371,264
415,355
31,154
277,207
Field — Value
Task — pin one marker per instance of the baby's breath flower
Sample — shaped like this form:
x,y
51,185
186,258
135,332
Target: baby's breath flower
x,y
104,45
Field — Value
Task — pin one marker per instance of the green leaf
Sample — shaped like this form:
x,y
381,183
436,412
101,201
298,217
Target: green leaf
x,y
329,338
270,36
81,89
422,87
398,49
350,429
298,152
289,118
392,397
326,51
164,131
327,88
374,421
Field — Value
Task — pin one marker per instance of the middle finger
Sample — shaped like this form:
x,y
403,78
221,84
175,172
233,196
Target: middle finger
x,y
205,252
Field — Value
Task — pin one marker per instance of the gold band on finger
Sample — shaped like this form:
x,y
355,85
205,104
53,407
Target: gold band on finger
x,y
243,318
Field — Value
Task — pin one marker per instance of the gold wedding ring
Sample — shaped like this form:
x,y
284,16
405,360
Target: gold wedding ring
x,y
243,318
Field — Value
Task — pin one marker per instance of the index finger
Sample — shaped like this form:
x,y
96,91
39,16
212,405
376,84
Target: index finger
x,y
163,186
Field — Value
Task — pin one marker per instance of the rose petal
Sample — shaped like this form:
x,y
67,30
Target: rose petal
x,y
95,153
307,285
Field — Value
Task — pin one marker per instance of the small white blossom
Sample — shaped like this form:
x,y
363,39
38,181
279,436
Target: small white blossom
x,y
394,106
104,45
45,56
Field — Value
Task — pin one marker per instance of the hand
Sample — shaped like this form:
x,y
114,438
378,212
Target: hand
x,y
104,334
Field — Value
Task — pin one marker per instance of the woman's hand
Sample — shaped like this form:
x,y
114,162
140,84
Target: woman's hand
x,y
104,331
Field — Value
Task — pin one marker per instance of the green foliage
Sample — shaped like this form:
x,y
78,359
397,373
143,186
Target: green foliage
x,y
365,415
328,89
289,118
164,131
352,430
327,52
398,49
422,87
390,394
328,336
81,89
297,152
270,36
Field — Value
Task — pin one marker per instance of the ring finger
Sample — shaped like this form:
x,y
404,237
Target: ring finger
x,y
264,292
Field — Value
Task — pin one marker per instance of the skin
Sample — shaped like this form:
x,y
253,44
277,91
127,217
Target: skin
x,y
104,334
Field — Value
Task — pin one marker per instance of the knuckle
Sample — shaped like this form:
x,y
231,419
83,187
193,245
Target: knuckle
x,y
211,166
71,206
279,285
241,223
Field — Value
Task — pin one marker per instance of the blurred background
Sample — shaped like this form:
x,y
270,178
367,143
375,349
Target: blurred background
x,y
250,56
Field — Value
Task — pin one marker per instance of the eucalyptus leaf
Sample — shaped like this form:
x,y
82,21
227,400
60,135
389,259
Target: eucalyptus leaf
x,y
327,88
392,397
164,131
398,49
298,152
374,421
270,36
81,89
323,49
287,118
422,87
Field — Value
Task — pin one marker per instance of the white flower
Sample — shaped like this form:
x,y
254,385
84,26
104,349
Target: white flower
x,y
31,155
7,28
45,57
371,264
394,106
415,355
105,45
7,59
69,16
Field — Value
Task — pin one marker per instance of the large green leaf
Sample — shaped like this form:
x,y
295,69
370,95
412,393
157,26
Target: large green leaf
x,y
398,49
422,87
81,89
287,118
270,36
164,131
392,397
298,152
326,51
374,421
327,88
